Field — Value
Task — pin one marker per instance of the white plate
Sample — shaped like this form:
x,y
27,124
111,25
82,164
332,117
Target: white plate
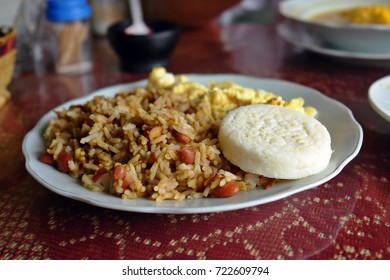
x,y
295,34
365,38
379,97
346,133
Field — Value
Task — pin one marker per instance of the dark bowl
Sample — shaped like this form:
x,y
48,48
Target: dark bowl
x,y
140,53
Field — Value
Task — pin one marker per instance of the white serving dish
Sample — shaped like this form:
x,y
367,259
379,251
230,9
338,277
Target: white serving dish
x,y
364,38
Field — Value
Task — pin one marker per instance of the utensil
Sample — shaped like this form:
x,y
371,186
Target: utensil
x,y
138,27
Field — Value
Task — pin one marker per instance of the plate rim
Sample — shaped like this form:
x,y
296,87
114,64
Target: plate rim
x,y
312,45
288,6
372,98
171,208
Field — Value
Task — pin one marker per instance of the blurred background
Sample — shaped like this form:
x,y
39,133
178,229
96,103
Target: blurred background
x,y
190,13
27,17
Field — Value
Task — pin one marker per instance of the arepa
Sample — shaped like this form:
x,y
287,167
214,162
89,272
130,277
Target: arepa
x,y
274,141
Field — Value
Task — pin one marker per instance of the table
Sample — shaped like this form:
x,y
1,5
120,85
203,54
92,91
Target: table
x,y
344,218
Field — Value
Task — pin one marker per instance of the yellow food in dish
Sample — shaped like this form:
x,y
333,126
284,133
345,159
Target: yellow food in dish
x,y
376,14
222,96
379,14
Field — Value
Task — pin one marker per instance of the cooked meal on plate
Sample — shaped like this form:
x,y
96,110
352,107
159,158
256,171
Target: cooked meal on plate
x,y
175,139
376,14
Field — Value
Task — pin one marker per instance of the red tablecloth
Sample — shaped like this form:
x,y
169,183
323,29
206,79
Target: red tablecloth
x,y
344,218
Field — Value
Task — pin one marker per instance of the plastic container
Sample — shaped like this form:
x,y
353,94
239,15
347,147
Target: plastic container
x,y
69,25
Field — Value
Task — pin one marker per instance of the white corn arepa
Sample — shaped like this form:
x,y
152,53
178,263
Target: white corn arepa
x,y
274,141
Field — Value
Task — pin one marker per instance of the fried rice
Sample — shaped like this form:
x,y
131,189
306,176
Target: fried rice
x,y
158,142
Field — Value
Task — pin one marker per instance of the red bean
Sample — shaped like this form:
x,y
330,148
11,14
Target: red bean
x,y
152,132
153,157
48,159
63,161
181,137
119,172
187,155
99,174
229,189
127,181
266,183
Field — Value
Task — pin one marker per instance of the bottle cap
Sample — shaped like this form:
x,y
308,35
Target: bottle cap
x,y
68,10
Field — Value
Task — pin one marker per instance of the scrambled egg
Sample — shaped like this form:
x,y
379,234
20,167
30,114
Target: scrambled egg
x,y
221,96
379,14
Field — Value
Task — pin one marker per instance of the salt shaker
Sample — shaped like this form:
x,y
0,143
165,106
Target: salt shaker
x,y
69,24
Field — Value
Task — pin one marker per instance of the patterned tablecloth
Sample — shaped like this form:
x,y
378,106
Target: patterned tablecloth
x,y
344,218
